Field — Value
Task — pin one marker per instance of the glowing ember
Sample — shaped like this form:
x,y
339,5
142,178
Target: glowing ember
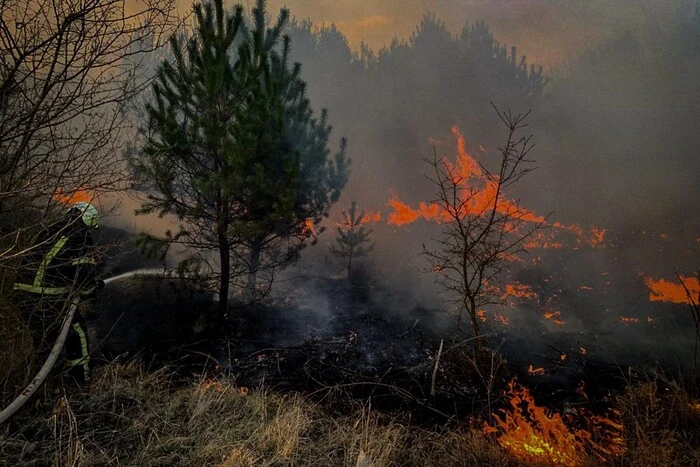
x,y
667,291
519,290
582,350
482,315
535,371
585,287
213,385
502,319
539,437
628,320
543,241
554,317
310,228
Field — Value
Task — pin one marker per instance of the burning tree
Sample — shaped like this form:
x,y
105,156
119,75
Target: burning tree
x,y
481,228
232,148
352,235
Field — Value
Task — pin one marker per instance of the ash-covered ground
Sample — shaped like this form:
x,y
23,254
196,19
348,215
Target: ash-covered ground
x,y
328,337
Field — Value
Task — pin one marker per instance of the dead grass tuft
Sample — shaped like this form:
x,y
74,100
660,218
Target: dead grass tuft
x,y
131,416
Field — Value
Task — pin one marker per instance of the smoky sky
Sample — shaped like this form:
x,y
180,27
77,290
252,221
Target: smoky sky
x,y
551,30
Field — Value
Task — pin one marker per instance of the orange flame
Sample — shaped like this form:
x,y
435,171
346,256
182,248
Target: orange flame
x,y
82,194
555,317
371,217
539,437
479,191
518,290
502,319
309,228
667,291
532,434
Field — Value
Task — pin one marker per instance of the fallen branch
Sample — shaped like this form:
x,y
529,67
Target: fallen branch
x,y
24,396
435,370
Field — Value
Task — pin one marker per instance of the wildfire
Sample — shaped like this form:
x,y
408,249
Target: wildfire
x,y
518,290
536,436
479,190
309,228
555,317
82,194
543,241
502,319
371,217
667,291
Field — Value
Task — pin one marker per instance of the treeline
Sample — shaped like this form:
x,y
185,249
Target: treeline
x,y
616,124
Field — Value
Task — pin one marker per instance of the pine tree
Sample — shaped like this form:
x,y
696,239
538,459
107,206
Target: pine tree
x,y
352,235
232,149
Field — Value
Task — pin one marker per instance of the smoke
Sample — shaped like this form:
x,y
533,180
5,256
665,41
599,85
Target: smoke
x,y
615,129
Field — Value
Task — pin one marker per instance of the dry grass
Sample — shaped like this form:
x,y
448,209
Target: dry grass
x,y
135,417
662,425
15,352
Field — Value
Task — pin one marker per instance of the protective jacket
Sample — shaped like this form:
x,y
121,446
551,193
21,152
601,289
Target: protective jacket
x,y
60,262
56,268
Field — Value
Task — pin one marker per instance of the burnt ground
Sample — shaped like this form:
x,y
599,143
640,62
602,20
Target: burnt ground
x,y
344,344
328,339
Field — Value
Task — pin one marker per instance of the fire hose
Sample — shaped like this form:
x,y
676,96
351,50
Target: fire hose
x,y
46,368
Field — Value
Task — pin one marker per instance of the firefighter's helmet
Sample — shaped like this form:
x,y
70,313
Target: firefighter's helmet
x,y
88,213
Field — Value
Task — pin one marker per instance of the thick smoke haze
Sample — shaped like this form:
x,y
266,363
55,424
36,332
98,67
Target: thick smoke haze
x,y
614,94
550,30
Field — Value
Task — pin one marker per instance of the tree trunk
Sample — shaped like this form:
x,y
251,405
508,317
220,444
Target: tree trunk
x,y
225,278
475,323
254,264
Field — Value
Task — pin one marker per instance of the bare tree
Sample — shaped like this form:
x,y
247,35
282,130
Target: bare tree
x,y
68,70
482,229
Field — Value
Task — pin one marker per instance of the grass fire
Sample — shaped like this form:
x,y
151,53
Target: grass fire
x,y
324,234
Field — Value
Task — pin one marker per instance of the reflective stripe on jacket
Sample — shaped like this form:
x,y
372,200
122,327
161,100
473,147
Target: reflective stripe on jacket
x,y
65,266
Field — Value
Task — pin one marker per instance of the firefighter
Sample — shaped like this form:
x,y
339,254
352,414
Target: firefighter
x,y
58,267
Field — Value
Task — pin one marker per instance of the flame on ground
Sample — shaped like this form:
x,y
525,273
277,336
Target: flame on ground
x,y
479,191
371,217
540,437
82,194
518,290
673,292
554,317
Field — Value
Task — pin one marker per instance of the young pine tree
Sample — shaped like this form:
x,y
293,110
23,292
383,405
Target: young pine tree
x,y
352,237
232,148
